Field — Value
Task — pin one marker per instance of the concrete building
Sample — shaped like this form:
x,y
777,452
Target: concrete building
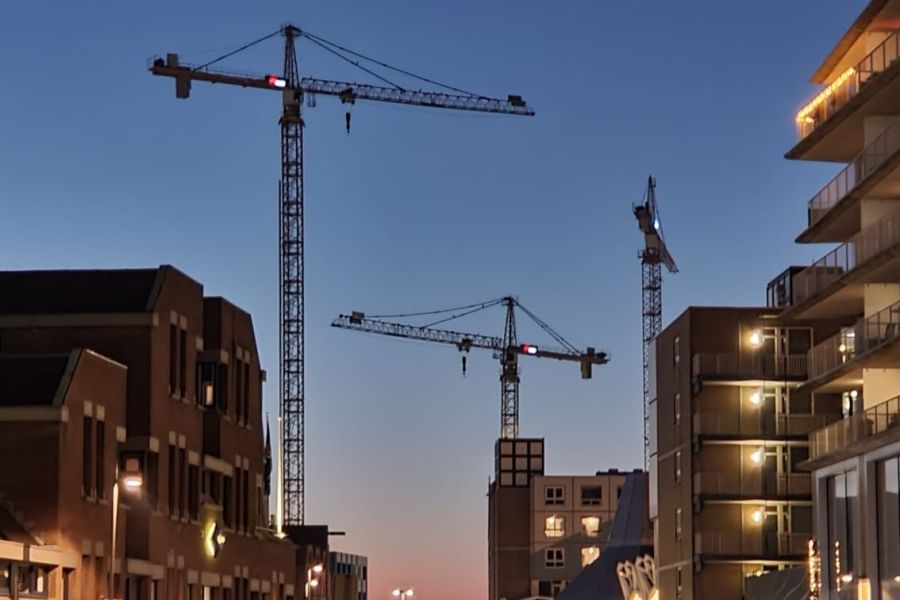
x,y
543,530
855,120
134,371
349,576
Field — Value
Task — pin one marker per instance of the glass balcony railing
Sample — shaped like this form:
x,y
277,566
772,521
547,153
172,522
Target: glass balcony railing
x,y
733,423
855,428
751,484
868,243
847,85
733,543
865,335
873,156
732,365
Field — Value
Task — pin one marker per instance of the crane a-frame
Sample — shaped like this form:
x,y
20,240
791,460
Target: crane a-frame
x,y
507,348
291,285
653,256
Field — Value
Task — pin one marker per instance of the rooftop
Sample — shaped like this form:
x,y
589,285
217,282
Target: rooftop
x,y
32,380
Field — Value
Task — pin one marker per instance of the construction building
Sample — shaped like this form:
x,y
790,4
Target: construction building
x,y
133,384
543,530
349,576
732,428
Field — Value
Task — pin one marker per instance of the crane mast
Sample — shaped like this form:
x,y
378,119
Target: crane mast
x,y
291,201
507,348
654,255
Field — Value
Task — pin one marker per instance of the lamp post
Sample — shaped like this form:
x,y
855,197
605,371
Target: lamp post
x,y
133,481
403,594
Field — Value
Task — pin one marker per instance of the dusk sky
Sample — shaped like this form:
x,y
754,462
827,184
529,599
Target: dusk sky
x,y
101,167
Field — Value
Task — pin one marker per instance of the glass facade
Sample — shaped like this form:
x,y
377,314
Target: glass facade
x,y
842,552
888,482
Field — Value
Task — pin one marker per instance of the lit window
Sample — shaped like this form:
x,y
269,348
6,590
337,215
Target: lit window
x,y
677,466
554,526
679,585
678,524
676,351
554,495
591,495
589,555
554,558
590,526
677,403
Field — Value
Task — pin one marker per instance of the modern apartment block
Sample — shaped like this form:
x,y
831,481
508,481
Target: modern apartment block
x,y
135,373
732,425
543,530
855,121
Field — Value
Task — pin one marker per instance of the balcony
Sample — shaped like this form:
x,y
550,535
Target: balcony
x,y
824,290
854,430
734,424
865,88
870,173
751,484
751,545
732,366
839,359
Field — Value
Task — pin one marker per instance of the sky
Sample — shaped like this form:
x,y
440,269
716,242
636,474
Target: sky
x,y
416,209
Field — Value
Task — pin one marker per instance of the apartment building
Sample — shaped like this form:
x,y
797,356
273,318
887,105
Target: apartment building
x,y
855,121
543,530
133,373
349,576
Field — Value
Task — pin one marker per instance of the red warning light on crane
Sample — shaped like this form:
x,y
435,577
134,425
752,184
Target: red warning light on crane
x,y
529,349
275,81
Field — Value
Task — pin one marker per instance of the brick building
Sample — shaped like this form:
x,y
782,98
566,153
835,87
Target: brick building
x,y
134,369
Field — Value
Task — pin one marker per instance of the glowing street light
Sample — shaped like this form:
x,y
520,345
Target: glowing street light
x,y
402,594
756,338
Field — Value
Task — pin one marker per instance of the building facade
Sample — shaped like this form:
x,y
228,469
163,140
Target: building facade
x,y
732,425
349,576
544,530
854,121
105,373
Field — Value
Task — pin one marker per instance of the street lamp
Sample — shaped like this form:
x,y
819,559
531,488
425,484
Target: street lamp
x,y
312,579
132,480
403,594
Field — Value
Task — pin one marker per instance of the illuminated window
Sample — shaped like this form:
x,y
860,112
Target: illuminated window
x,y
678,529
677,466
554,526
590,526
677,403
589,555
676,351
554,495
554,558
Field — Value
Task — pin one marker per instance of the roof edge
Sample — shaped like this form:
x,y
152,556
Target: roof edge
x,y
849,38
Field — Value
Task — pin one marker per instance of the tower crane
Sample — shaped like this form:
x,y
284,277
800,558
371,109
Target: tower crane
x,y
293,90
507,348
654,255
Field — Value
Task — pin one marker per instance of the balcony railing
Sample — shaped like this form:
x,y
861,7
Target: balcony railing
x,y
731,365
864,245
872,157
755,544
801,424
732,423
866,334
848,85
855,428
751,485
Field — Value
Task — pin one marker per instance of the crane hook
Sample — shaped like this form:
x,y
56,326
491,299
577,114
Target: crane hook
x,y
464,365
347,121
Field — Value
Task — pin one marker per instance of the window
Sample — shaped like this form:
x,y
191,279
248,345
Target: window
x,y
554,526
172,467
100,456
87,461
677,406
678,528
173,359
246,503
222,400
678,466
182,489
554,495
590,526
843,523
618,492
888,486
589,555
554,558
206,384
238,498
151,483
182,363
247,392
194,496
591,495
676,352
228,501
679,583
238,390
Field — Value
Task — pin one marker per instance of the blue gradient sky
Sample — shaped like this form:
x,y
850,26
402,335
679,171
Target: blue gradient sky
x,y
100,166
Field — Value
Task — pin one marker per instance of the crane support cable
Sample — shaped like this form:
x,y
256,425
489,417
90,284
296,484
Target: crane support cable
x,y
313,37
485,304
456,316
356,64
241,49
560,339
